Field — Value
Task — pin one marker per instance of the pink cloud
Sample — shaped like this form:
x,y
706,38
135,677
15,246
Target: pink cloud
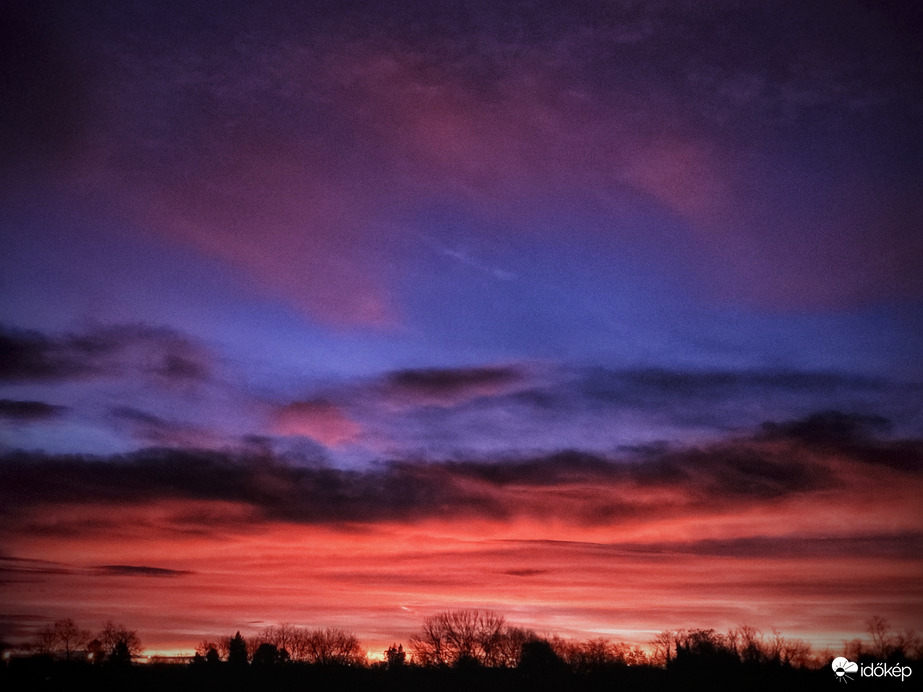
x,y
319,420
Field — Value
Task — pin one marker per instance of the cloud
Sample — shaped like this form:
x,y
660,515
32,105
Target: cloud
x,y
158,354
318,419
829,428
451,386
644,384
29,411
29,566
851,434
573,487
723,121
141,571
155,431
898,545
525,572
510,411
34,568
29,356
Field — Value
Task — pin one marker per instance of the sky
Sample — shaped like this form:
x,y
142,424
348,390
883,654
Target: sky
x,y
604,316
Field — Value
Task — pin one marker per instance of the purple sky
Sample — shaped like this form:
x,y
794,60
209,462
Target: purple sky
x,y
354,234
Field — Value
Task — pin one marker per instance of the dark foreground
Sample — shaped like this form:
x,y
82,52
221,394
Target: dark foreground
x,y
37,675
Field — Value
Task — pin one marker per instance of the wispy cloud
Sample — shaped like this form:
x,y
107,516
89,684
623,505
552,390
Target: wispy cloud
x,y
155,431
683,109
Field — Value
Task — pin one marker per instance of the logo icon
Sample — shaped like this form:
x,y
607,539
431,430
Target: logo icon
x,y
842,667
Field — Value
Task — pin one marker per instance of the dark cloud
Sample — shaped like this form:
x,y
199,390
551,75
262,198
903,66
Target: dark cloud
x,y
581,487
547,470
26,568
157,353
25,356
453,381
640,385
29,411
855,435
830,428
141,571
532,409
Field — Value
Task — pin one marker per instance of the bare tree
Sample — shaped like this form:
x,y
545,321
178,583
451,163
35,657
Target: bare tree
x,y
703,645
205,646
62,638
888,645
284,637
459,636
663,648
70,637
429,646
795,653
594,654
119,640
46,640
599,653
750,646
507,649
629,655
906,644
333,647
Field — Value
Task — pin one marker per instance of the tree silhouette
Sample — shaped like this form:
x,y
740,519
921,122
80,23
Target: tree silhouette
x,y
237,650
61,638
112,636
539,658
120,654
70,637
207,652
663,648
284,637
395,656
96,653
266,654
506,650
458,637
45,640
333,646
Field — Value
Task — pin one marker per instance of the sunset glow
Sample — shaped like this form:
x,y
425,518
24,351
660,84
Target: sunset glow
x,y
607,320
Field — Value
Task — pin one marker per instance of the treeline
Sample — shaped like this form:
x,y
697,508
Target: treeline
x,y
283,644
460,648
471,638
114,644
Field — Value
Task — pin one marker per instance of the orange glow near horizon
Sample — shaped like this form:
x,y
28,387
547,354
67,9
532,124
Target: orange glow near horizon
x,y
380,580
